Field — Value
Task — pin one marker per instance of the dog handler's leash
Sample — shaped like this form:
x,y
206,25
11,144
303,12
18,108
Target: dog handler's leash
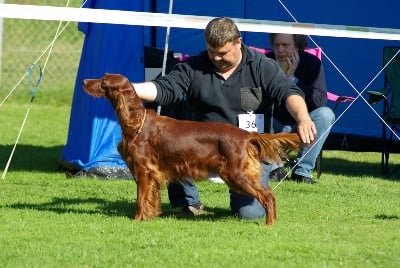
x,y
33,90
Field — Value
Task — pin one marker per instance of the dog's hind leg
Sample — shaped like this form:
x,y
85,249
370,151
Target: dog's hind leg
x,y
251,185
263,194
267,199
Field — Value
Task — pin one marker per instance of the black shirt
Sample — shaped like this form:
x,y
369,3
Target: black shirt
x,y
256,84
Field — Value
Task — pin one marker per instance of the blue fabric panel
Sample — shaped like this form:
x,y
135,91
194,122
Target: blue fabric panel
x,y
358,59
94,132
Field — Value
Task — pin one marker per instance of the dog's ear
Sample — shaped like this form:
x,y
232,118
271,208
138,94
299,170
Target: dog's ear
x,y
110,76
106,77
105,81
114,81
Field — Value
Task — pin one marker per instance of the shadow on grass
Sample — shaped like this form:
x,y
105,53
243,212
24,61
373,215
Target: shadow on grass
x,y
127,209
101,206
387,217
30,157
81,206
345,167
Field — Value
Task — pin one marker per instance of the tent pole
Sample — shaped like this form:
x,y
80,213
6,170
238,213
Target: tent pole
x,y
171,3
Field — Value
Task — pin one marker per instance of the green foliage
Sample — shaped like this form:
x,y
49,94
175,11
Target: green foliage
x,y
351,218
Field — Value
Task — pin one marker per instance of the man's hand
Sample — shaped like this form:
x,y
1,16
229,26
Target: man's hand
x,y
306,130
292,62
297,107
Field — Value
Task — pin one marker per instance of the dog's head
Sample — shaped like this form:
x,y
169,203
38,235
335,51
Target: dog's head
x,y
107,86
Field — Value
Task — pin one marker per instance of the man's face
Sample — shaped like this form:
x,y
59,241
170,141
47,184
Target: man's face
x,y
227,56
283,46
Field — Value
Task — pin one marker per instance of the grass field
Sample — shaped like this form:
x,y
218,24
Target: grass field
x,y
351,218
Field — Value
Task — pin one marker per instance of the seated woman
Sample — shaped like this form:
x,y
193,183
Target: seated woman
x,y
308,73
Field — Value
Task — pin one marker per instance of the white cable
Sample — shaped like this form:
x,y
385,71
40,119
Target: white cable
x,y
195,22
189,21
49,47
351,85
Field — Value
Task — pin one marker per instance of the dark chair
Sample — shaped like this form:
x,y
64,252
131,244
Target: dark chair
x,y
390,96
337,100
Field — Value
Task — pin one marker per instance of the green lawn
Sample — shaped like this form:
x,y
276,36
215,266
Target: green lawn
x,y
351,218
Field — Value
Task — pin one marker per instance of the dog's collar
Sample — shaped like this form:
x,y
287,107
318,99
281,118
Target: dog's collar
x,y
141,126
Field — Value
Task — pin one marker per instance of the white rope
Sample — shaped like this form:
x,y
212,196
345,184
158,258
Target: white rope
x,y
195,22
347,80
189,21
198,22
46,50
22,126
49,49
348,106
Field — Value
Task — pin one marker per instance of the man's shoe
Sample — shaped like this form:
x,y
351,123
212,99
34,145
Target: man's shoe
x,y
189,212
302,179
277,174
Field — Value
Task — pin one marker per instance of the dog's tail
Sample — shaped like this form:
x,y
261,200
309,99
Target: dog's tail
x,y
273,148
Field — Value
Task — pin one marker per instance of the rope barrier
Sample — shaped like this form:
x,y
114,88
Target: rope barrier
x,y
32,90
189,21
359,93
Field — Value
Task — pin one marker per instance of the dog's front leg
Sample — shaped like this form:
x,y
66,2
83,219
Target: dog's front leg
x,y
148,198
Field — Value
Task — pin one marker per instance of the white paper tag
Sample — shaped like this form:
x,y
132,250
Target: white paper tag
x,y
252,122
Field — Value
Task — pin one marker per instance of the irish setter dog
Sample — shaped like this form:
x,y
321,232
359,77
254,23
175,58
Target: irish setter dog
x,y
160,149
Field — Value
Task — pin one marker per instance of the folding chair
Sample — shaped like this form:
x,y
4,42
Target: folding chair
x,y
390,95
339,99
317,51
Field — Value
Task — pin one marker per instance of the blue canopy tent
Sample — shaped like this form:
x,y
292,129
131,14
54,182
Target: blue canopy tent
x,y
94,132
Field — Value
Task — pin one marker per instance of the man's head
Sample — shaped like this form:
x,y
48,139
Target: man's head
x,y
223,43
285,45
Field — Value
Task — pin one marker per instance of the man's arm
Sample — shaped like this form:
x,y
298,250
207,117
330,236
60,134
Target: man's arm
x,y
146,91
297,108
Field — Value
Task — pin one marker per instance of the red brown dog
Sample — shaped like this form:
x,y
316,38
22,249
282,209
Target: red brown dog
x,y
160,149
